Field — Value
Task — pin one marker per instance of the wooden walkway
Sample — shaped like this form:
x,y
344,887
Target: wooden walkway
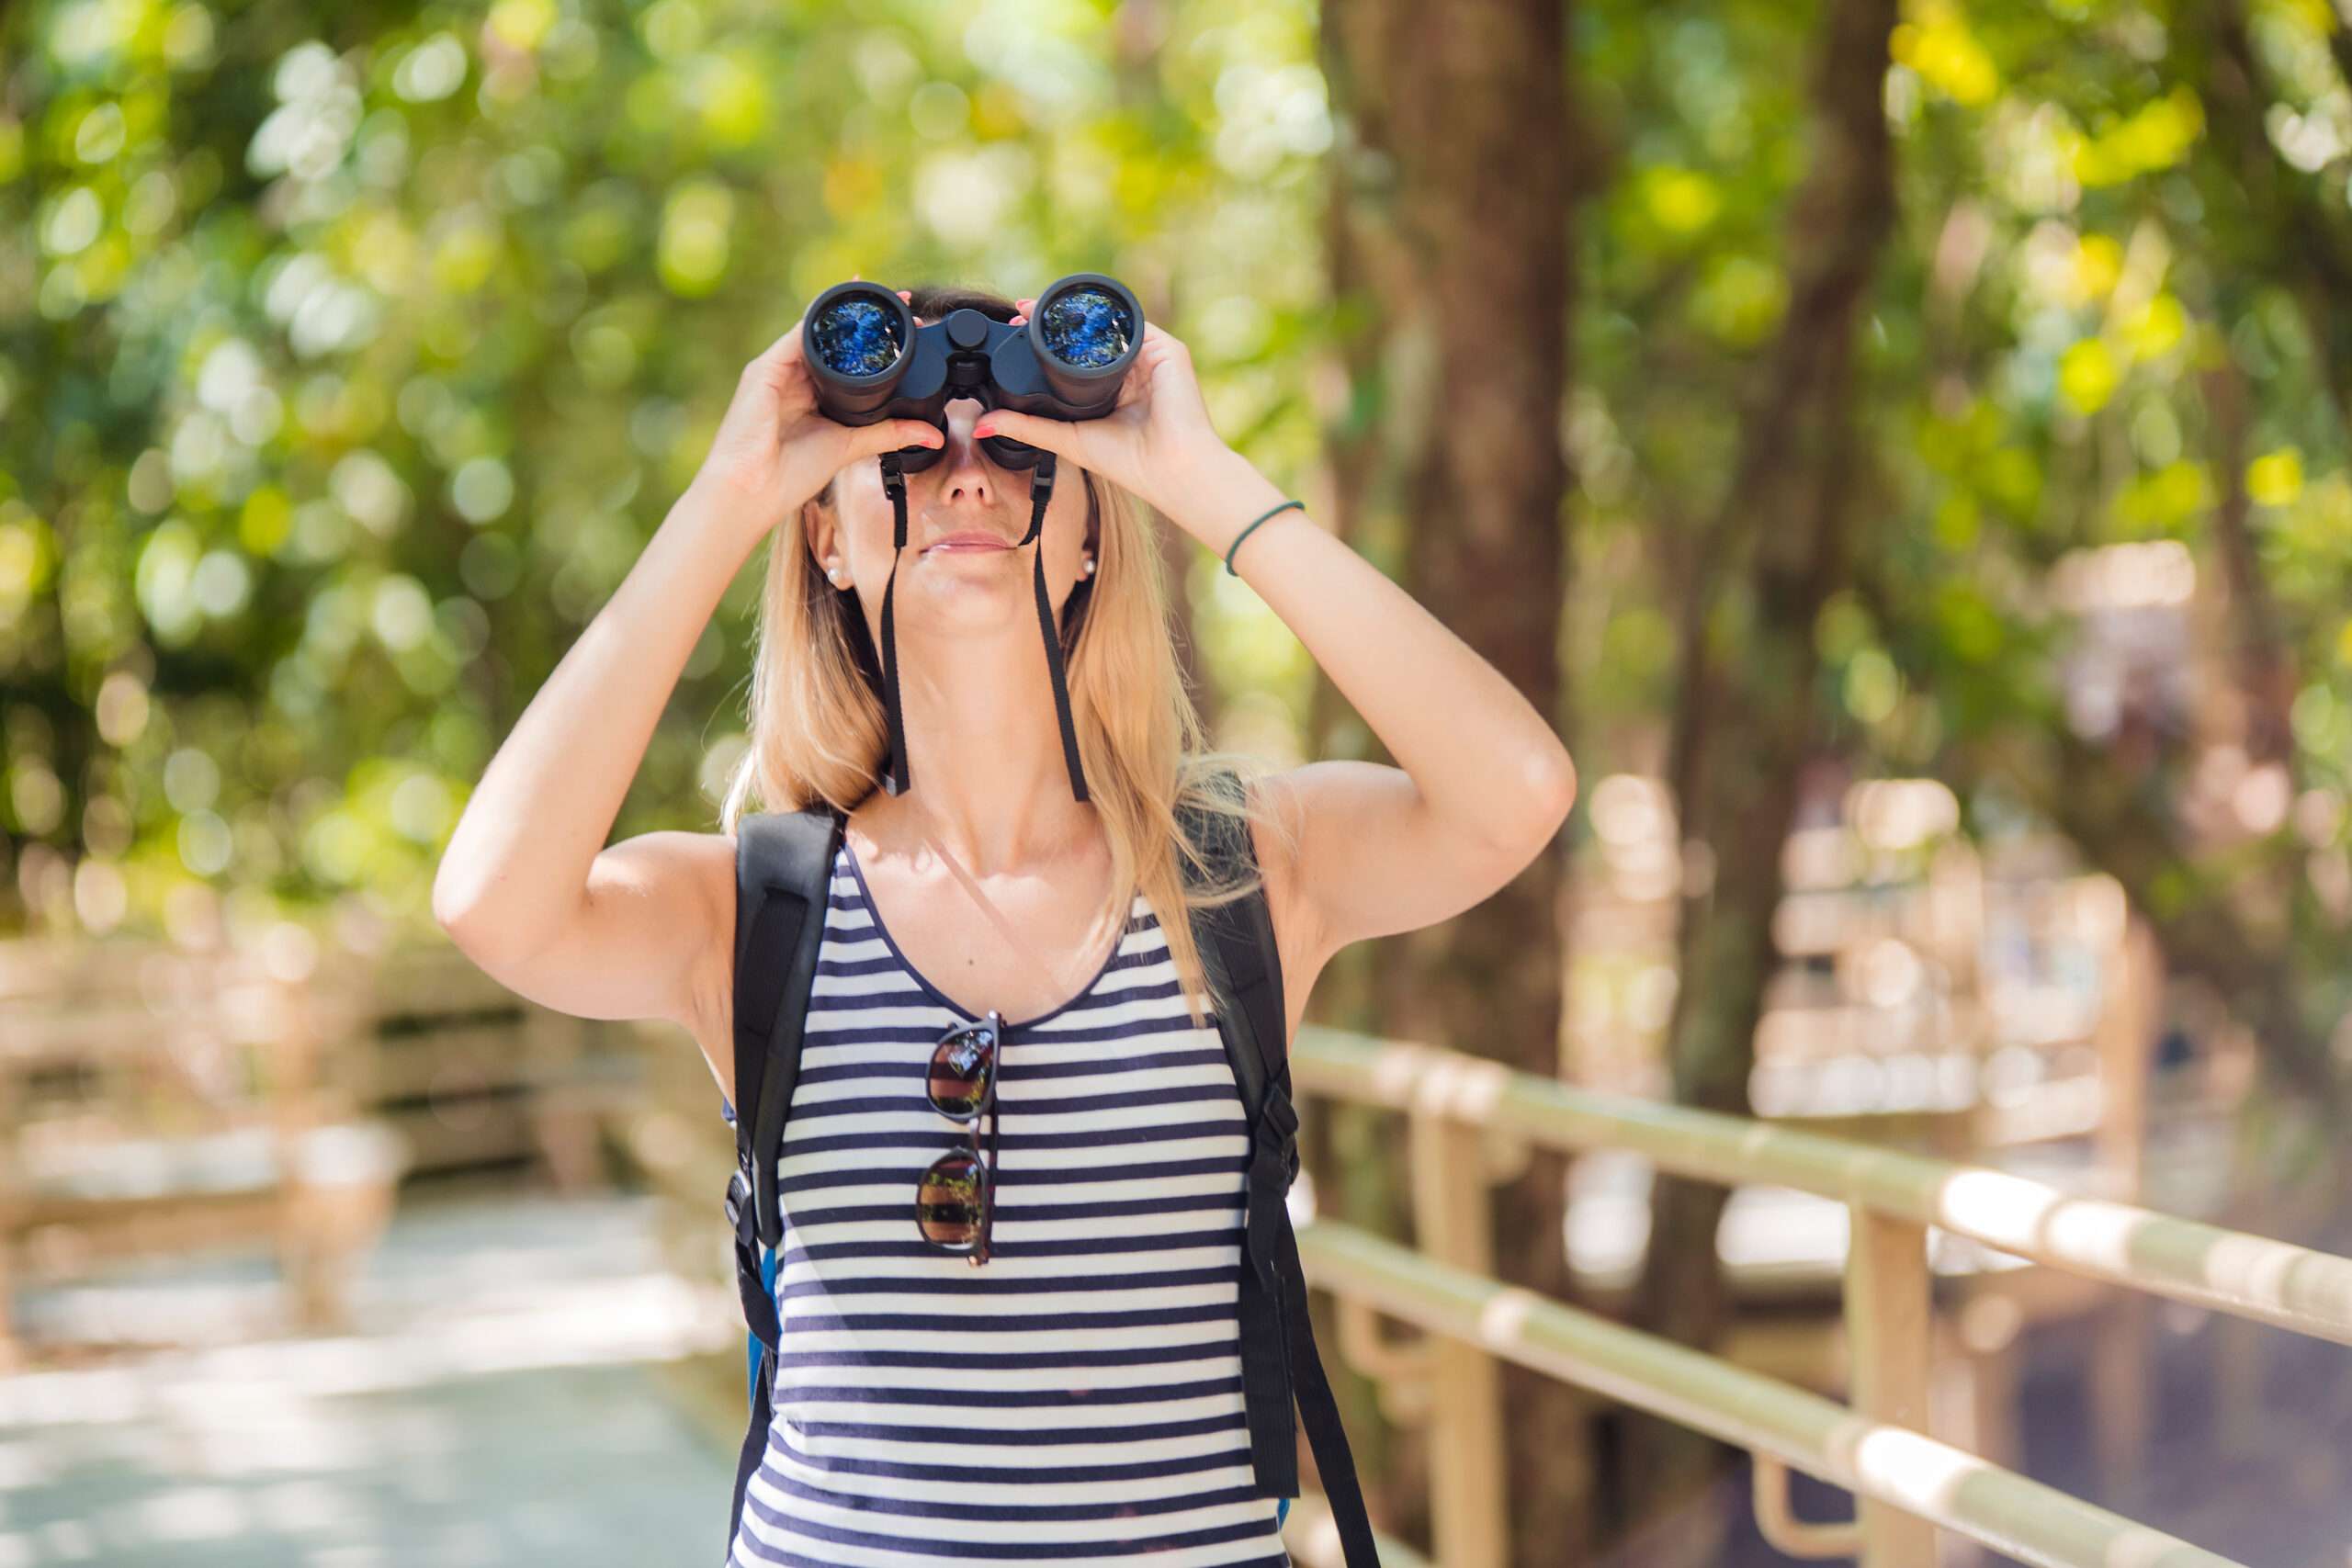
x,y
503,1402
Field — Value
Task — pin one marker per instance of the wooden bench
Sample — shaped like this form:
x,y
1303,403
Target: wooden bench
x,y
165,1102
477,1080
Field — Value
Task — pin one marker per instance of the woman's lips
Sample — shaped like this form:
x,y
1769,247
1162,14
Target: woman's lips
x,y
959,544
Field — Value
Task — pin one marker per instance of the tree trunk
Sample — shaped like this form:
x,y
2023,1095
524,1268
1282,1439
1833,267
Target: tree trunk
x,y
1747,718
1452,224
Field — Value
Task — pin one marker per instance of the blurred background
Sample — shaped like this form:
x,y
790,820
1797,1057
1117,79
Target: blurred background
x,y
1902,442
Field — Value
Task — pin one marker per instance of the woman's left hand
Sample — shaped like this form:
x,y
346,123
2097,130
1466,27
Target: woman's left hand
x,y
1156,435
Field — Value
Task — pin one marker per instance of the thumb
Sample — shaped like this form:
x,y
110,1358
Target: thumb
x,y
1046,434
890,435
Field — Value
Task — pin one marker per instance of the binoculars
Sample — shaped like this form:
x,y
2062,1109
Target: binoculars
x,y
871,362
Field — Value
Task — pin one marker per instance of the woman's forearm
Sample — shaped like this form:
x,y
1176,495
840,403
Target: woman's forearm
x,y
1478,750
516,868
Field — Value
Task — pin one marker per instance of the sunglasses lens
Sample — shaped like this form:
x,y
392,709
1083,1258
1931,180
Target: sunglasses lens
x,y
952,1200
960,1070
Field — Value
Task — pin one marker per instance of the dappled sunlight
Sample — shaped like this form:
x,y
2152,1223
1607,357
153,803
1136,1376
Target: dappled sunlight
x,y
2009,1211
1465,1087
1922,1474
2254,1270
422,1436
1503,1319
1902,448
1935,1480
2274,1280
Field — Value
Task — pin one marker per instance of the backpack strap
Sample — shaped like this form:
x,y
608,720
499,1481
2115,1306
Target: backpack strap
x,y
784,870
784,867
1279,1360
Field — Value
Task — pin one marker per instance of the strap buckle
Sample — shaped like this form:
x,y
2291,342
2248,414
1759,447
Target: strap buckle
x,y
1277,1118
740,1216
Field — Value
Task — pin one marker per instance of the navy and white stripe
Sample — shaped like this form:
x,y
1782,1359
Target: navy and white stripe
x,y
1078,1399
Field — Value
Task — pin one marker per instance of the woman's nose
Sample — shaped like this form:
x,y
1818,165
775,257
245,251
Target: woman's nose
x,y
964,469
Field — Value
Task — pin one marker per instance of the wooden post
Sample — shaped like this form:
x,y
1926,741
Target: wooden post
x,y
13,1202
563,1107
1888,1339
2123,1348
1399,1370
1469,1528
283,1020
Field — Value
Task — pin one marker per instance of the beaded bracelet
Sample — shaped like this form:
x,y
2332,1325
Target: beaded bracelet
x,y
1285,506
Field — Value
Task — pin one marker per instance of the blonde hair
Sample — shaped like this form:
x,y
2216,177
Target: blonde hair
x,y
819,731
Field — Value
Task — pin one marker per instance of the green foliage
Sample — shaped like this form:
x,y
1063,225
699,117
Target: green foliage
x,y
349,355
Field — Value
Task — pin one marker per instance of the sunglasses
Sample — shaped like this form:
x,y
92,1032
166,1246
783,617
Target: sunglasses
x,y
954,1203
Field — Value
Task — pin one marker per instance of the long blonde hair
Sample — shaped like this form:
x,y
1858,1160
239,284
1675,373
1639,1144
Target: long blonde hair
x,y
819,731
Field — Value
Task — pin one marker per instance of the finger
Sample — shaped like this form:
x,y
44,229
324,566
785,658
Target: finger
x,y
1167,343
1046,434
779,348
890,435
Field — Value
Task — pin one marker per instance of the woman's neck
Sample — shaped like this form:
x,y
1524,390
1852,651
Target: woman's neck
x,y
988,781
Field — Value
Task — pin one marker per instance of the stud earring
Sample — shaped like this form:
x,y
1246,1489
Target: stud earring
x,y
1086,568
835,573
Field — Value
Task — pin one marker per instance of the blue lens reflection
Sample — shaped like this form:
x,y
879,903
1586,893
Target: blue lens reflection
x,y
855,337
1086,327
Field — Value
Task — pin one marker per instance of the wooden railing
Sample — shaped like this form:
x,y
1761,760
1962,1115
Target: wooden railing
x,y
156,1100
1907,1482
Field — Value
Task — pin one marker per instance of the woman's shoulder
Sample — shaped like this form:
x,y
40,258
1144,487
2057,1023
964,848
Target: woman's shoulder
x,y
704,861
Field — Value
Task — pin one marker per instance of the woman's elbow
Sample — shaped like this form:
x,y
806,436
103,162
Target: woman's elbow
x,y
464,909
1549,788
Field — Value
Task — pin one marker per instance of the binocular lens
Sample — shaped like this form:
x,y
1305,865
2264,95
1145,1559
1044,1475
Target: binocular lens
x,y
1087,328
857,337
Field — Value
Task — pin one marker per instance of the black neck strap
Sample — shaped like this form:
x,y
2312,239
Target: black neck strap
x,y
898,780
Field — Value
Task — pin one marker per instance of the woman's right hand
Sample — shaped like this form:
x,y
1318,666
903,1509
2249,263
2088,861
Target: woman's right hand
x,y
774,449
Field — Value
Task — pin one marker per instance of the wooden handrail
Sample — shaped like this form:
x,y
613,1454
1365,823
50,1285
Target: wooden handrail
x,y
2270,1282
1896,1465
1905,1481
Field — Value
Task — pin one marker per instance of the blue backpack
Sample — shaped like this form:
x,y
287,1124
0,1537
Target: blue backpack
x,y
783,876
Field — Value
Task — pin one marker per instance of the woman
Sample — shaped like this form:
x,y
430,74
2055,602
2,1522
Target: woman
x,y
1082,1388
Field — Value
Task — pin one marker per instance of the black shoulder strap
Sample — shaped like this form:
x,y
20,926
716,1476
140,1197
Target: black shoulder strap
x,y
1280,1366
784,869
1242,964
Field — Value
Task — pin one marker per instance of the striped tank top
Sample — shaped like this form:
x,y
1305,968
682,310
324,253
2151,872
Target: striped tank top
x,y
1076,1400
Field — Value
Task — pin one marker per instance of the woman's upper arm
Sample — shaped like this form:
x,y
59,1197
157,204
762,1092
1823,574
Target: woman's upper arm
x,y
1297,942
1372,861
652,936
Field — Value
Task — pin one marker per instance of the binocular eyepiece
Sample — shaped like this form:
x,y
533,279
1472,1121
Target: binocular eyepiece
x,y
870,361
